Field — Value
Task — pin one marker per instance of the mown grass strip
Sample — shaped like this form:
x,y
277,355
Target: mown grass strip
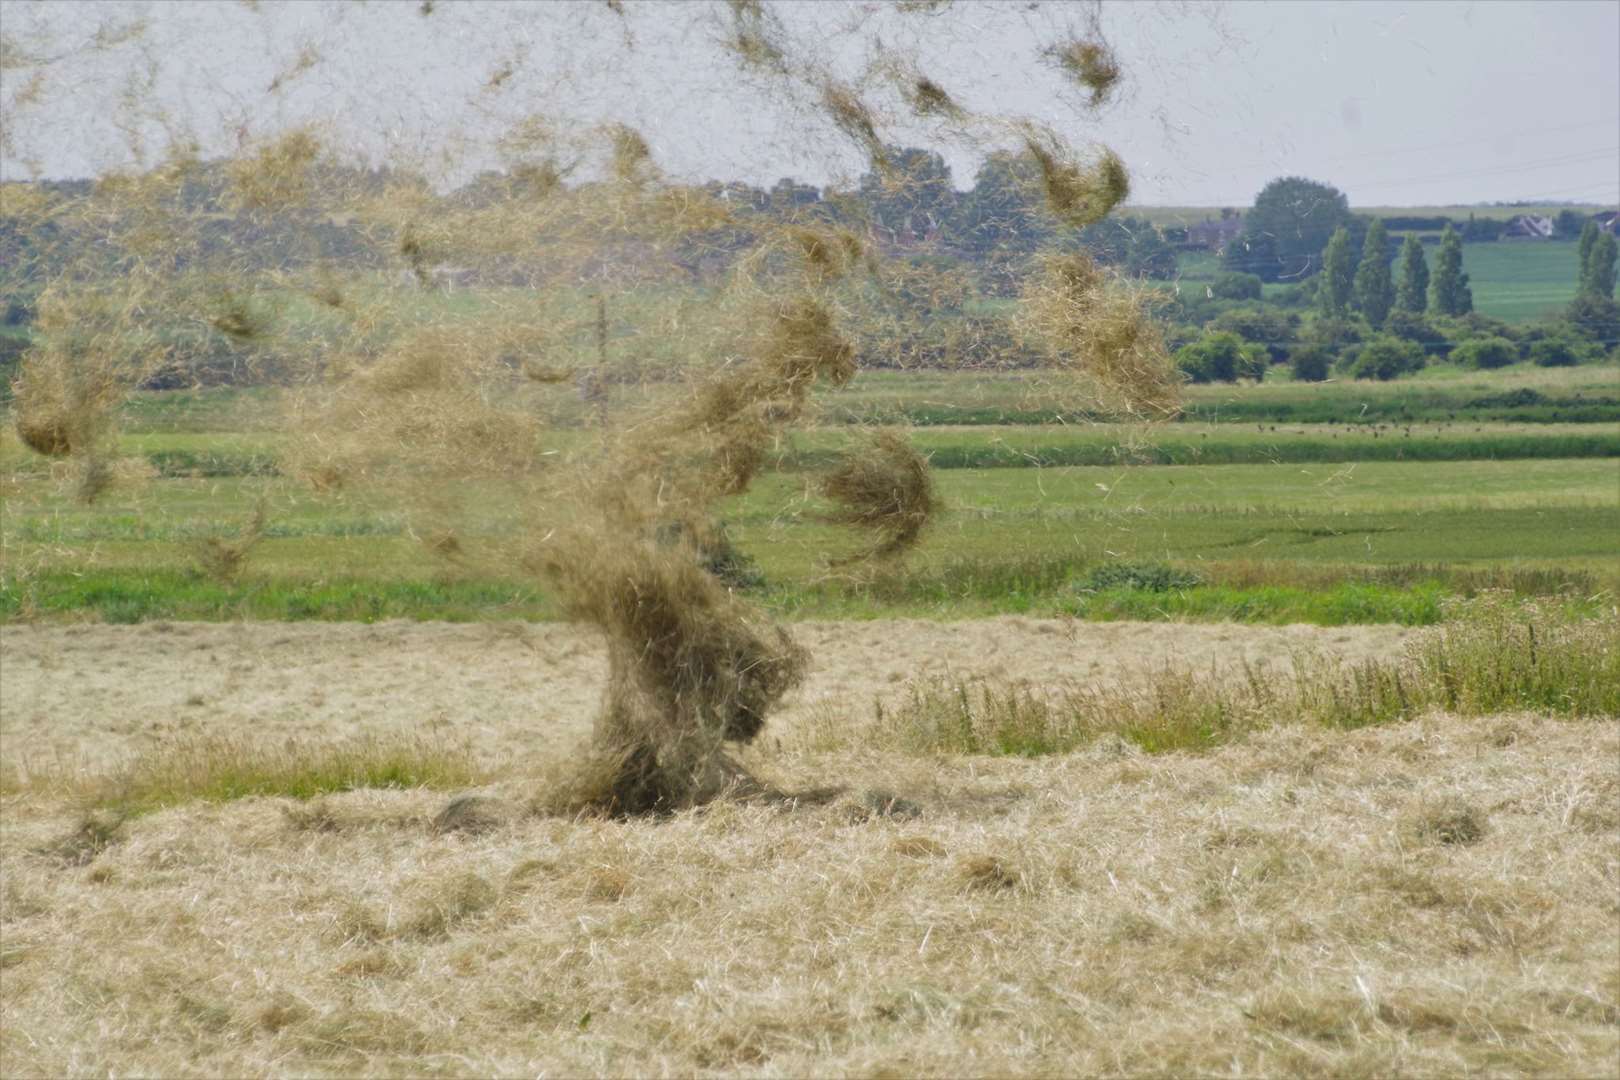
x,y
1249,450
224,769
1523,407
1346,604
116,596
1323,595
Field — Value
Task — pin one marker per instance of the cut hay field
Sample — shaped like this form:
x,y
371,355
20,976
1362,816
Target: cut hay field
x,y
1429,896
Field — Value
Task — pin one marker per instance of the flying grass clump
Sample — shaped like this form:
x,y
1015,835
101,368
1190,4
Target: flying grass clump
x,y
73,379
421,417
852,116
223,558
1091,63
437,400
240,318
1079,194
61,408
632,157
927,98
753,38
277,177
691,668
1088,324
828,254
883,486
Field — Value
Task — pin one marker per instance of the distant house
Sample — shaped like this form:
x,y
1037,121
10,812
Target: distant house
x,y
1529,227
1214,234
1608,221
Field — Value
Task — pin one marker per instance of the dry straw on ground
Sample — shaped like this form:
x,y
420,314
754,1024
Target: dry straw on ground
x,y
1259,911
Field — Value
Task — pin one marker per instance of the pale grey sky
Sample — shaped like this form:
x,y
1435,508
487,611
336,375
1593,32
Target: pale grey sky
x,y
1396,103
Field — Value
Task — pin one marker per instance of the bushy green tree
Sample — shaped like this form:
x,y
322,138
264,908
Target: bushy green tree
x,y
913,197
1236,286
1375,286
1556,352
1310,362
1288,227
1410,326
1386,357
1338,275
1595,317
1452,296
1569,223
1594,312
1337,334
1271,329
1222,357
1486,353
1413,292
1003,215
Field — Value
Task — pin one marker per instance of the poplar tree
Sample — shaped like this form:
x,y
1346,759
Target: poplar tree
x,y
1413,293
1597,265
1452,296
1589,235
1375,286
1338,274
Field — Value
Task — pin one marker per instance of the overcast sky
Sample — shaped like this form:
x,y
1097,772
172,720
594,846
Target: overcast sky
x,y
1396,103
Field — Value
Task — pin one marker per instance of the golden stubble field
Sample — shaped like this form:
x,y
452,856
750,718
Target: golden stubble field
x,y
1440,896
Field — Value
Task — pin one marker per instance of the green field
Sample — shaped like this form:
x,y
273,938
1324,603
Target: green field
x,y
1521,281
1329,503
1515,281
1172,216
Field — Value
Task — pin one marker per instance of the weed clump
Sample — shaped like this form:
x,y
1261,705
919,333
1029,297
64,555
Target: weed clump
x,y
1147,576
928,98
753,38
96,832
988,873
